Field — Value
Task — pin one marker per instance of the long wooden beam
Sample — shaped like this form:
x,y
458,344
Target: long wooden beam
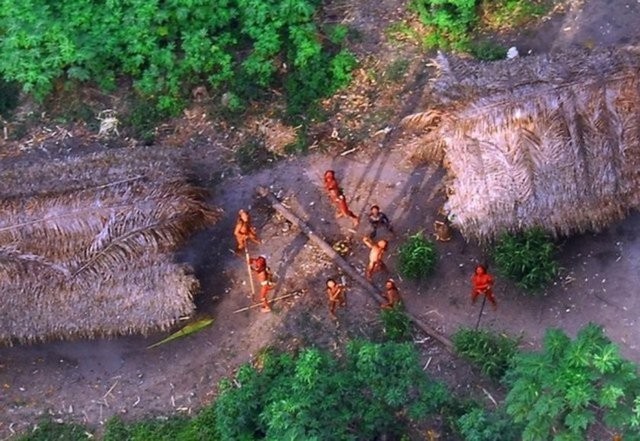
x,y
345,266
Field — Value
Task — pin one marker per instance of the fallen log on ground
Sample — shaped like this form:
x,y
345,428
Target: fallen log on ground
x,y
345,266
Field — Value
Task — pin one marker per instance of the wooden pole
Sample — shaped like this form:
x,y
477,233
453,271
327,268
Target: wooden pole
x,y
345,266
484,300
275,299
246,254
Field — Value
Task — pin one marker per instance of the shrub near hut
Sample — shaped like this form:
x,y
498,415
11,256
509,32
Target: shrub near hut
x,y
526,258
417,258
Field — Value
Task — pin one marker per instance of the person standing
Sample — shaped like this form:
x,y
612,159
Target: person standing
x,y
336,294
391,295
338,198
376,253
344,211
259,265
482,284
244,231
377,219
331,185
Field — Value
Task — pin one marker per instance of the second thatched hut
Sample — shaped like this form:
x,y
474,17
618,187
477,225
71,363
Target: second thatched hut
x,y
550,141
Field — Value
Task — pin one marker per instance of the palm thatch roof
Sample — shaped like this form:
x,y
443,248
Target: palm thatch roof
x,y
550,141
86,245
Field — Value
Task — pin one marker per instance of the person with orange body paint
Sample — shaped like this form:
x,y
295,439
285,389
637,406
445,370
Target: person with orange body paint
x,y
259,265
337,197
482,283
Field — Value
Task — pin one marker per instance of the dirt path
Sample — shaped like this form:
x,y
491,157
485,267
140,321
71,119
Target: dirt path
x,y
89,382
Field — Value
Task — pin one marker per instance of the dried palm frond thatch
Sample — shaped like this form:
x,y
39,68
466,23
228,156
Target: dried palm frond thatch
x,y
86,243
550,141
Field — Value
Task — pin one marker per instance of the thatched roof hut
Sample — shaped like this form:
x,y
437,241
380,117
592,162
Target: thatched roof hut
x,y
550,140
86,245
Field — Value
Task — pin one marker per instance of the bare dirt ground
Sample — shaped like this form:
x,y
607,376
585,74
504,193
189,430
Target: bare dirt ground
x,y
90,381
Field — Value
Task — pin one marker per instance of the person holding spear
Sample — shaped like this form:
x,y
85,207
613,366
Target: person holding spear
x,y
482,284
244,231
259,265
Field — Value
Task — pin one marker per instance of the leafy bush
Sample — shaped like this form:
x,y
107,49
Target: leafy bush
x,y
50,431
158,430
509,14
569,386
317,397
396,324
417,257
488,51
241,46
321,76
451,21
480,425
527,258
492,353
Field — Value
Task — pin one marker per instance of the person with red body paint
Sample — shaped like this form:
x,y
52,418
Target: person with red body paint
x,y
259,265
337,197
482,283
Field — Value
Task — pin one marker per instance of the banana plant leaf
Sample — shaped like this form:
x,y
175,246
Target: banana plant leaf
x,y
189,329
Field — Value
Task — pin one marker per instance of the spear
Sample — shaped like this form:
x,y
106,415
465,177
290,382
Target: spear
x,y
253,288
484,300
285,296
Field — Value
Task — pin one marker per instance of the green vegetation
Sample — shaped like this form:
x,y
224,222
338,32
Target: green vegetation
x,y
317,397
571,385
375,389
492,353
50,431
452,23
478,424
143,117
558,393
527,258
509,14
199,428
488,51
243,47
417,257
396,324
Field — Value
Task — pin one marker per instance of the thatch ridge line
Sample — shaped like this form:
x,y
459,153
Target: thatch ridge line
x,y
507,98
462,75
